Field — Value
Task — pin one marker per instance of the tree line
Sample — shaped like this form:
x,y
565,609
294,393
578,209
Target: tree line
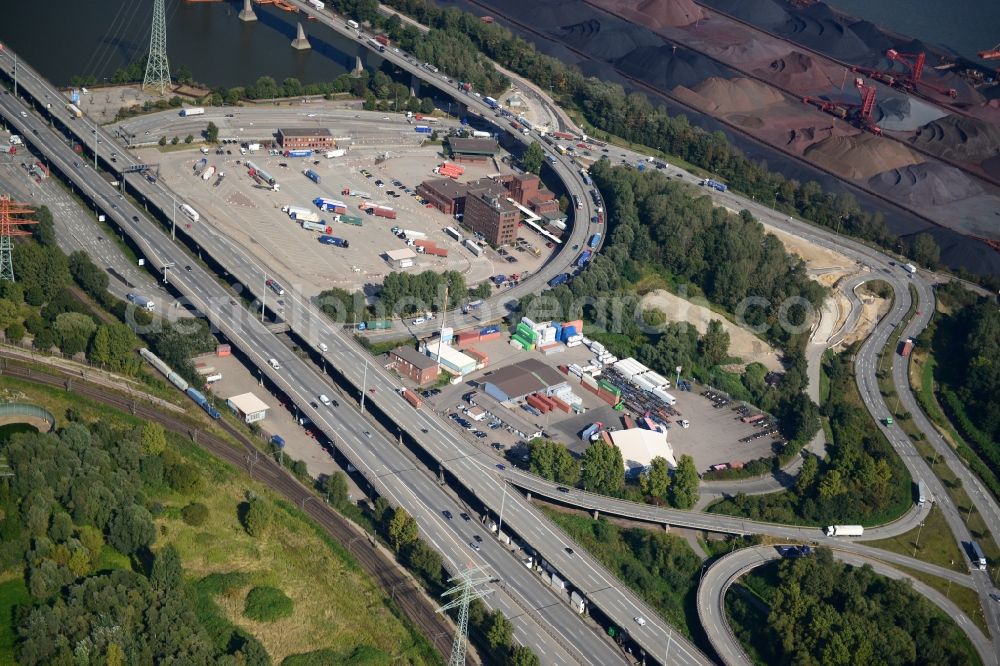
x,y
400,294
826,612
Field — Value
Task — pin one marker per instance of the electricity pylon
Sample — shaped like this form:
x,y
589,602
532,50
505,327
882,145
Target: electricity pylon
x,y
12,216
157,68
467,590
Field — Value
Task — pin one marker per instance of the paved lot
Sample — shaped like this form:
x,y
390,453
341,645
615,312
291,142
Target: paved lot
x,y
251,214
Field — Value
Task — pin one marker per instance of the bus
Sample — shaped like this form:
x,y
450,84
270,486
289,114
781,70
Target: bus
x,y
490,102
353,24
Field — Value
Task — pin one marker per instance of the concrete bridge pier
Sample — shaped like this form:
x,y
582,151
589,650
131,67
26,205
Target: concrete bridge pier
x,y
596,514
415,86
666,527
301,42
247,13
359,66
527,494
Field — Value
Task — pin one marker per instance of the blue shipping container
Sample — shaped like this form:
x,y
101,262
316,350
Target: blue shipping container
x,y
489,329
567,333
584,258
298,153
422,129
333,240
594,241
559,279
312,175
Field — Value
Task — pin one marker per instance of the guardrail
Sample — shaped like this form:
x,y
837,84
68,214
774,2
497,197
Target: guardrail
x,y
24,409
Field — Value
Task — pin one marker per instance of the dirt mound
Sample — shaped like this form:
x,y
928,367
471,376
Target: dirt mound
x,y
820,29
749,122
765,13
691,98
750,51
738,95
801,138
927,184
655,13
860,156
797,71
609,42
661,66
959,138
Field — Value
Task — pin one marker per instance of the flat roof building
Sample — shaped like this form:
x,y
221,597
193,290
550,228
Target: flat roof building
x,y
639,446
401,258
493,216
472,150
413,365
517,381
515,419
450,358
248,407
447,195
297,138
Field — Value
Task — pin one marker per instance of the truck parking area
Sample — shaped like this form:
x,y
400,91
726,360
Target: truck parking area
x,y
242,208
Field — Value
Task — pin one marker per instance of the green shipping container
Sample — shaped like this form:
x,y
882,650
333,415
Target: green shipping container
x,y
609,387
351,219
379,325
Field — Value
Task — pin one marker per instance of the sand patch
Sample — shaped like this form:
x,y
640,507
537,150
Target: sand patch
x,y
861,156
742,342
873,309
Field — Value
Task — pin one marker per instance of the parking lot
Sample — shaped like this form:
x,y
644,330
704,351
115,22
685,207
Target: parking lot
x,y
246,211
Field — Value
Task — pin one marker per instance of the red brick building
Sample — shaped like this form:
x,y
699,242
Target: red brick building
x,y
410,363
315,138
493,216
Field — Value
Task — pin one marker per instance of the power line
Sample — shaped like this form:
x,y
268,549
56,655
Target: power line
x,y
157,68
467,590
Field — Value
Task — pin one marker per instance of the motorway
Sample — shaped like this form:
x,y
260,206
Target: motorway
x,y
478,476
728,569
390,471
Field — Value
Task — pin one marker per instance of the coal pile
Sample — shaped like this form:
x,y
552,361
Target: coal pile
x,y
662,67
960,138
606,42
765,13
861,156
819,28
655,13
926,184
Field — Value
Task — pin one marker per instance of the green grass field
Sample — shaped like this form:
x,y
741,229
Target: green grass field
x,y
12,593
936,543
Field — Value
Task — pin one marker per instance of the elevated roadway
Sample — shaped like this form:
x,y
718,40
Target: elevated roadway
x,y
719,577
391,472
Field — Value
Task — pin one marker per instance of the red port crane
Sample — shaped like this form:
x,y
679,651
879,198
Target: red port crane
x,y
990,54
862,112
909,81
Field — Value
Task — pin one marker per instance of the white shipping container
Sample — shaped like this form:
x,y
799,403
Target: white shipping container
x,y
577,602
528,322
330,154
473,247
573,343
665,397
557,582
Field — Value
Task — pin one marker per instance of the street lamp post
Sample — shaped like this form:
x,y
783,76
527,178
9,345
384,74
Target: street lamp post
x,y
503,500
364,386
917,544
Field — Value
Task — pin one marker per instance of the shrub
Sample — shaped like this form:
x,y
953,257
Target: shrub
x,y
195,514
266,604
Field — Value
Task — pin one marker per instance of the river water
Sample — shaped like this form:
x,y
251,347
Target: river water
x,y
96,37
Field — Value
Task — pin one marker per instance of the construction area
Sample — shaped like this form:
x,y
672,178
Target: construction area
x,y
890,116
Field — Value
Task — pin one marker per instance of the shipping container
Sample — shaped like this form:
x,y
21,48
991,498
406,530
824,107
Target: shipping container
x,y
311,175
193,111
594,241
473,247
351,219
333,240
223,350
411,398
190,212
422,129
559,279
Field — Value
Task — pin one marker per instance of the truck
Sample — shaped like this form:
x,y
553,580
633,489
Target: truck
x,y
348,192
905,347
253,147
594,241
292,211
353,24
192,111
584,258
714,184
352,220
473,247
301,152
976,553
190,212
559,279
378,46
422,129
307,216
383,211
311,175
413,235
844,530
453,232
411,398
209,172
317,4
480,134
375,325
333,240
910,268
141,301
923,495
276,287
317,226
492,103
74,110
261,175
383,40
471,305
330,154
330,205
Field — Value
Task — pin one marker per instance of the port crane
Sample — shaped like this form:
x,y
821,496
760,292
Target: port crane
x,y
914,63
861,113
991,54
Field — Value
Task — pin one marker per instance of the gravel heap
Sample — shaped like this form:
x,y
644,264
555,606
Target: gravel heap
x,y
861,156
959,138
655,13
660,66
926,184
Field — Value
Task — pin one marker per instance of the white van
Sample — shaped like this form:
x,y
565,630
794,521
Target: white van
x,y
323,348
274,363
325,399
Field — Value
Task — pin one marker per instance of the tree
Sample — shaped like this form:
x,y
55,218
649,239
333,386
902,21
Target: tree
x,y
402,529
166,573
684,489
714,345
195,514
521,655
189,138
131,529
425,561
174,141
603,469
162,141
335,485
15,332
655,482
212,133
8,313
926,251
426,105
500,632
533,158
112,347
153,438
259,518
45,231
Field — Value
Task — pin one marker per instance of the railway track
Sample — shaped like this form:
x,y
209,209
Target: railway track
x,y
403,589
678,103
